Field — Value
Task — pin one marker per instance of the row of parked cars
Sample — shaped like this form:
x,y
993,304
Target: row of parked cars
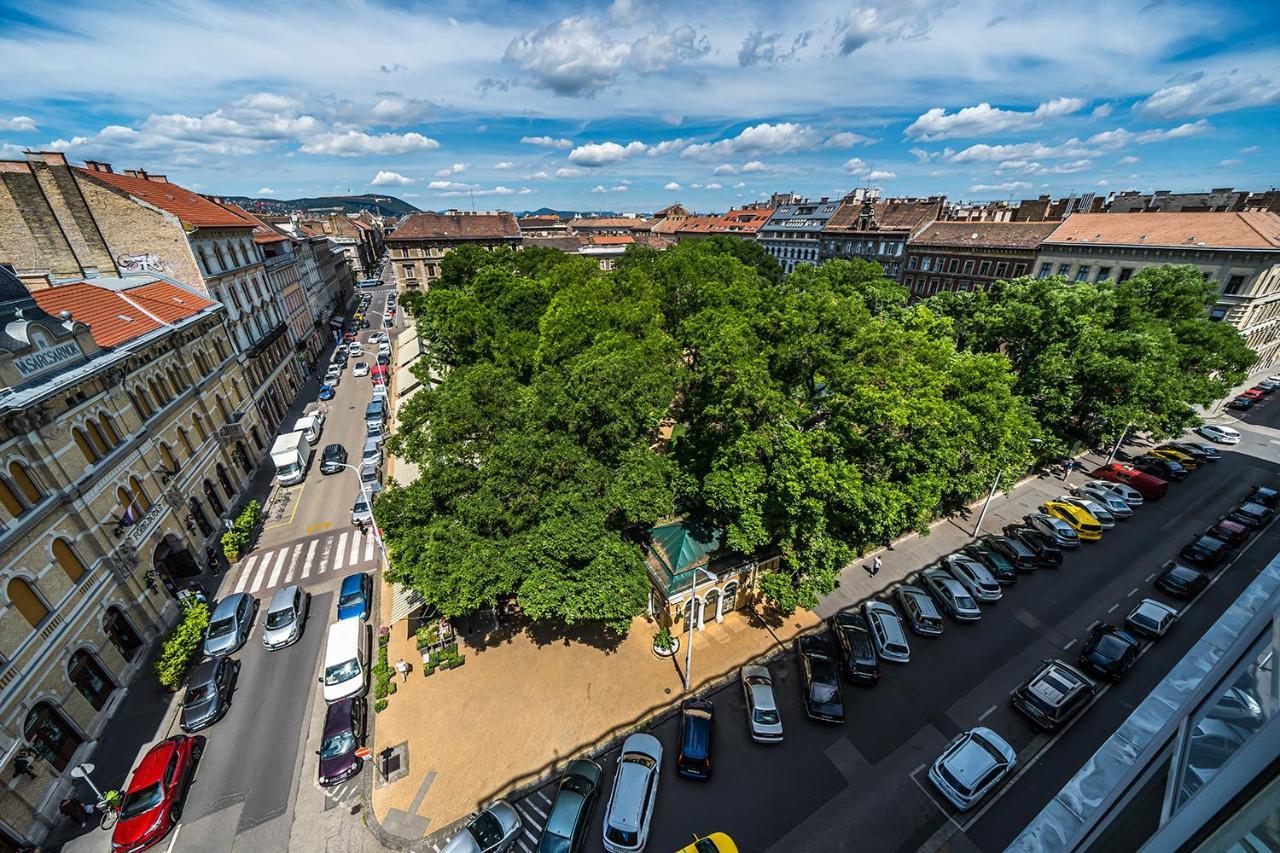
x,y
1248,399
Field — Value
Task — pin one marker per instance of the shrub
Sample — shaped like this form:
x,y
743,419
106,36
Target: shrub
x,y
234,543
182,645
380,706
427,635
236,540
664,642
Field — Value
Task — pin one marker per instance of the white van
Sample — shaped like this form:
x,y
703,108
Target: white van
x,y
346,660
310,425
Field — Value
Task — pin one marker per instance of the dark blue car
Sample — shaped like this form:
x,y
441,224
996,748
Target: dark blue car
x,y
697,717
353,598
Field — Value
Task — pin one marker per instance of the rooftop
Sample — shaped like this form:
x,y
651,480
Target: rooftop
x,y
890,214
1224,230
192,208
995,235
118,314
441,226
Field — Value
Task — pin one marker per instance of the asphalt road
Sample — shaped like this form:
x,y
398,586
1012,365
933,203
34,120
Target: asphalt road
x,y
862,785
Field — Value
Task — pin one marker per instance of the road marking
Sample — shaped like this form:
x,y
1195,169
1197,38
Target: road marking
x,y
1132,592
324,555
275,570
533,839
523,846
987,713
1068,646
355,550
527,816
536,809
918,769
1152,576
1112,608
173,839
293,564
368,548
311,555
545,798
1094,625
246,572
342,547
263,568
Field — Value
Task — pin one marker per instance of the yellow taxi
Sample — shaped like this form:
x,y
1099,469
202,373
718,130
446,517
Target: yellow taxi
x,y
716,842
1186,460
1081,520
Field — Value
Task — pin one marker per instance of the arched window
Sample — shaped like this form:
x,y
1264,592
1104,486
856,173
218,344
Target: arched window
x,y
226,482
23,596
167,459
121,633
222,407
26,485
199,422
211,495
48,731
87,450
176,380
222,351
89,677
10,500
98,437
131,512
109,425
68,560
197,512
157,393
257,439
140,496
186,442
202,363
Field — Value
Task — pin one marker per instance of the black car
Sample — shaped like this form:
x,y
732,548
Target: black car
x,y
697,720
853,643
1015,551
1001,568
1205,552
1054,695
1264,495
822,699
1047,552
384,359
1165,469
208,693
1242,404
570,815
332,459
1181,581
1251,515
345,728
1211,453
1109,651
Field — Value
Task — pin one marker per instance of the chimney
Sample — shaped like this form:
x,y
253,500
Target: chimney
x,y
159,179
97,166
135,173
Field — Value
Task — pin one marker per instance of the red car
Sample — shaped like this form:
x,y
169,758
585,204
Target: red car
x,y
1252,394
153,800
1230,532
349,337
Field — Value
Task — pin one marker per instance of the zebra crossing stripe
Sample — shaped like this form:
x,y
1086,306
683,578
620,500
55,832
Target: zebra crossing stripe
x,y
341,550
355,550
263,568
523,846
278,568
536,809
311,555
324,555
293,563
528,817
368,548
545,799
246,572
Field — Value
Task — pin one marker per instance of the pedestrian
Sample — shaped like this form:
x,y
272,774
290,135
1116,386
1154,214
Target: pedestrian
x,y
875,566
402,667
74,809
1066,469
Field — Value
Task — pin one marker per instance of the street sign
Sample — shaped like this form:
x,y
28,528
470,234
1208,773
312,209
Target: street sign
x,y
363,752
80,771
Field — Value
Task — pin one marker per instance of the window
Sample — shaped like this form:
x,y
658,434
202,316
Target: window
x,y
186,443
1000,269
1233,285
911,262
157,392
10,500
1082,273
121,633
925,264
23,596
1046,270
140,497
984,268
1125,274
46,729
90,678
1019,270
68,560
1217,313
199,422
87,450
98,437
968,267
952,266
1104,273
222,407
1064,270
898,248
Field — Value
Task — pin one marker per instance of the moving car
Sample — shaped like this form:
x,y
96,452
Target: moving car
x,y
974,577
334,376
716,842
1150,618
1000,566
1098,510
332,458
286,615
490,830
697,722
952,595
152,801
361,368
229,624
1045,548
361,513
1055,694
1205,552
1086,527
887,636
971,766
920,610
1220,434
345,728
821,682
1109,651
1181,581
326,392
208,693
1150,487
1165,469
570,814
1114,504
635,788
1232,532
1131,496
763,719
354,596
354,349
1062,534
853,644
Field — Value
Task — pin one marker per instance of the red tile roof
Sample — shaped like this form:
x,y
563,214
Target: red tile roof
x,y
191,208
890,215
605,222
1227,230
610,240
745,220
167,301
456,226
115,317
991,235
699,225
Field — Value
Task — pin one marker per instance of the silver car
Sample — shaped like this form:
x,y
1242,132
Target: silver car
x,y
376,433
1126,493
286,614
635,789
975,577
361,513
1151,619
764,720
972,764
887,634
372,452
952,595
230,623
1099,511
371,479
491,830
1055,528
1115,504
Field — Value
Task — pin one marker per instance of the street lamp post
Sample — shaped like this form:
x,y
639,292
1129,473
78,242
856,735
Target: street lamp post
x,y
1119,441
693,597
368,499
991,494
82,771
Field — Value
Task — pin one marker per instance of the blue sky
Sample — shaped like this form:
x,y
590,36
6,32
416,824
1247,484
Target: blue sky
x,y
631,106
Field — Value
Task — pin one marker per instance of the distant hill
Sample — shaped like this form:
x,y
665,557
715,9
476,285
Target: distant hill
x,y
565,214
329,204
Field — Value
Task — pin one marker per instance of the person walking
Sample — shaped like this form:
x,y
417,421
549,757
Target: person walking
x,y
402,667
875,566
74,809
1066,469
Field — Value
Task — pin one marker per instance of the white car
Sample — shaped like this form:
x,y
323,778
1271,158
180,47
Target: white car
x,y
1151,618
360,368
1113,502
1094,508
1126,493
333,377
355,349
1219,434
635,787
763,718
971,766
491,830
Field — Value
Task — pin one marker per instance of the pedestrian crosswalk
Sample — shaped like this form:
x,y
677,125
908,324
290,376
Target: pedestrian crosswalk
x,y
298,562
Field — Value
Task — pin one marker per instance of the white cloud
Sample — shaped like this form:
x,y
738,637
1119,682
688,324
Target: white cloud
x,y
1249,149
453,189
1230,161
355,143
450,185
599,188
665,147
922,155
1103,182
547,141
754,166
1031,167
570,172
739,185
455,169
18,123
765,138
725,169
504,164
1006,186
391,179
881,175
1102,111
397,110
760,48
1120,137
672,185
620,188
538,176
712,187
1201,96
595,154
985,119
659,50
1127,160
856,166
845,139
884,20
266,191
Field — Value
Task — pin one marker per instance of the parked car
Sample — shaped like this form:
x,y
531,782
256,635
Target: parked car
x,y
1241,403
371,479
208,693
1254,394
1204,552
635,788
1062,534
1014,550
1266,386
1085,526
1181,581
853,644
361,368
326,392
764,721
1152,488
1150,618
1045,548
1233,533
820,680
1095,509
1220,434
1264,495
375,432
490,830
1109,651
974,577
1000,567
716,842
697,723
971,766
952,595
229,624
152,801
920,610
1186,460
1131,496
361,512
1165,469
1054,695
332,458
570,814
1114,504
887,635
344,732
354,596
333,377
1251,515
286,616
1201,453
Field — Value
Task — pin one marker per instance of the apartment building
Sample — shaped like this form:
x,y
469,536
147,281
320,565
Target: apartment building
x,y
874,229
971,255
421,240
793,234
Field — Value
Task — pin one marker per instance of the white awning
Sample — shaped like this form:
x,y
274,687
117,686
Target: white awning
x,y
410,350
404,601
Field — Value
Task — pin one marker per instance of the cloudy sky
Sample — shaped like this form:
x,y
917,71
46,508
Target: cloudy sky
x,y
631,105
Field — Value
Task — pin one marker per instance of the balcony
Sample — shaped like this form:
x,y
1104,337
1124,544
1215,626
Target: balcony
x,y
234,428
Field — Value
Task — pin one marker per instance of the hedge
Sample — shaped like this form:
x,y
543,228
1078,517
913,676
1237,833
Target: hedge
x,y
182,645
236,540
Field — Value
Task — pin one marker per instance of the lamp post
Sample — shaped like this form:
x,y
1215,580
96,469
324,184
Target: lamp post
x,y
693,597
368,499
82,771
1119,441
991,494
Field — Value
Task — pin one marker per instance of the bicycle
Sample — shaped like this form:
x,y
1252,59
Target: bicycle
x,y
109,807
